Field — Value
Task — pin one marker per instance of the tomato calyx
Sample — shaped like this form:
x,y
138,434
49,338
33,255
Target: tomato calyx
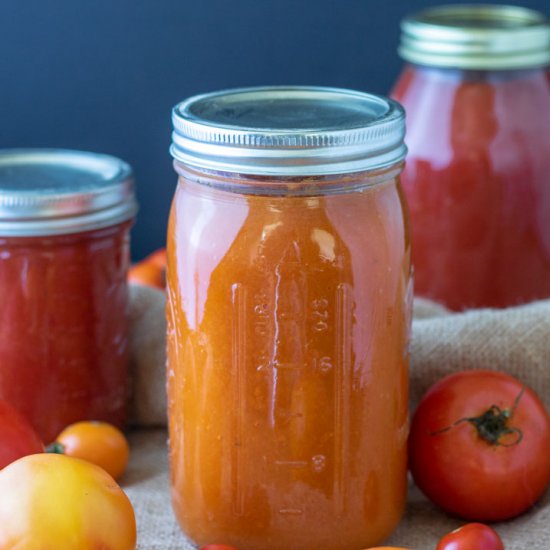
x,y
56,448
492,425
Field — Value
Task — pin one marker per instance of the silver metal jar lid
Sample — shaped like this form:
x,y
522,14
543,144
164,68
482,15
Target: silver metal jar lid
x,y
288,131
477,37
54,192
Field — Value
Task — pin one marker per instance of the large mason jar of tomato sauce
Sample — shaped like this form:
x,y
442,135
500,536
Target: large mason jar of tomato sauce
x,y
289,298
477,94
64,250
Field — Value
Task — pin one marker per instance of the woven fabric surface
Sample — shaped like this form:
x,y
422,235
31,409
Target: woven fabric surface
x,y
515,340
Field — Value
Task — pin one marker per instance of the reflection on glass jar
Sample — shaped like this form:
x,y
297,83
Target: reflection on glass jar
x,y
65,218
477,180
288,319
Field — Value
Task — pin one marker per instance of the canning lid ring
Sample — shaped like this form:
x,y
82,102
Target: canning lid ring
x,y
288,131
57,191
474,37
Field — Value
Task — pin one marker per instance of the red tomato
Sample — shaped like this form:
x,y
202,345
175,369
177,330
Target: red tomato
x,y
472,536
17,437
218,547
479,445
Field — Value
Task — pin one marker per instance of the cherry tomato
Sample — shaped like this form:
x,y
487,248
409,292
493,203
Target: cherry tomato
x,y
479,445
472,536
148,274
218,547
98,442
17,436
55,501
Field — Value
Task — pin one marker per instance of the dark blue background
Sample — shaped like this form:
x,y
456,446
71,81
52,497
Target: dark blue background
x,y
102,75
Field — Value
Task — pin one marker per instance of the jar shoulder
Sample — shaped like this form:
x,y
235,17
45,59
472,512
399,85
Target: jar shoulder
x,y
454,115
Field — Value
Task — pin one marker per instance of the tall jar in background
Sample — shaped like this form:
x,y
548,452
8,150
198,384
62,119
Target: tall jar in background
x,y
288,319
65,218
477,181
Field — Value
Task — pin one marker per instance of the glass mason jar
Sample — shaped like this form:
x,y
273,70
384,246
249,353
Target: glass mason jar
x,y
64,250
289,299
477,180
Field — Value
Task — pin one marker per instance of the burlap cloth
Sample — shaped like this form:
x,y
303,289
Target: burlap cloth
x,y
515,340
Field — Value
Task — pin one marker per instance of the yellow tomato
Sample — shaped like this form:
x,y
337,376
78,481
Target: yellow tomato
x,y
97,442
50,501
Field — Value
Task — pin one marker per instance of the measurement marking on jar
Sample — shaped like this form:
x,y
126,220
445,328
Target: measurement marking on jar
x,y
292,463
288,357
288,366
342,391
238,368
320,315
323,364
291,511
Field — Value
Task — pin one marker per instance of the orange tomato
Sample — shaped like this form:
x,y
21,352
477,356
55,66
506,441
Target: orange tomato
x,y
147,273
158,258
55,501
98,442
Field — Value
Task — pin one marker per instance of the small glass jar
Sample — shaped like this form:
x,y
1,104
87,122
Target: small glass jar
x,y
289,298
477,180
64,250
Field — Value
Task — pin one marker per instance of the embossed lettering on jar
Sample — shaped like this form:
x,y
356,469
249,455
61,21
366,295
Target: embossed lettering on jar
x,y
288,319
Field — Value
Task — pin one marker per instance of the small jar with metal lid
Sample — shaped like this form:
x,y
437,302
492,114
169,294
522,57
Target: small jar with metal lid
x,y
65,218
289,297
477,181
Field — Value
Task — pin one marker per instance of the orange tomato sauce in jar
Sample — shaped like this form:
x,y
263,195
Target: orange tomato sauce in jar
x,y
64,252
288,312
